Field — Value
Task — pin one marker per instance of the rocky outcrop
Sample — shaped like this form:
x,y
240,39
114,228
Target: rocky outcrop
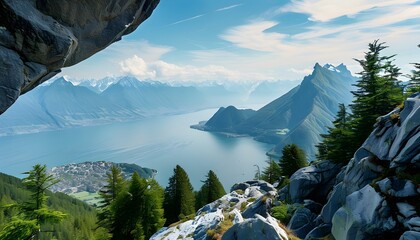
x,y
38,38
376,195
241,214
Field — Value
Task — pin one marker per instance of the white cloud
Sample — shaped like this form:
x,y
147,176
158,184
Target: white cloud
x,y
148,51
326,10
255,36
168,72
304,71
187,19
228,7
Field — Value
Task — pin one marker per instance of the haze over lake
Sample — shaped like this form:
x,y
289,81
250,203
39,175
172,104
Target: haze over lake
x,y
159,143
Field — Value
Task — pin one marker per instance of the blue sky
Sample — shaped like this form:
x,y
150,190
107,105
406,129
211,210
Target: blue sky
x,y
226,40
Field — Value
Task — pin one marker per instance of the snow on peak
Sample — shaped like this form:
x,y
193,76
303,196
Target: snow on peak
x,y
331,68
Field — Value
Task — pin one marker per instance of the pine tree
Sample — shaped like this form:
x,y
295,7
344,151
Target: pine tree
x,y
334,145
33,213
108,194
377,93
293,158
414,82
138,212
153,214
272,172
211,190
179,198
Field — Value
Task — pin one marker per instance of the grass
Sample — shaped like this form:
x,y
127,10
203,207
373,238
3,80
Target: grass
x,y
87,197
184,219
217,233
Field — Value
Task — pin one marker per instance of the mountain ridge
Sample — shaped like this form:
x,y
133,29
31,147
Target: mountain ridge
x,y
300,115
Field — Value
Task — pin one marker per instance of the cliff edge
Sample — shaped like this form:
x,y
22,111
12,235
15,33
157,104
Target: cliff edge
x,y
39,37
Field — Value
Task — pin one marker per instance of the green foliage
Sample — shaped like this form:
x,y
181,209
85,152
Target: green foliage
x,y
131,210
293,158
179,196
211,190
108,194
414,82
19,229
272,172
334,146
79,223
221,228
34,214
281,213
378,92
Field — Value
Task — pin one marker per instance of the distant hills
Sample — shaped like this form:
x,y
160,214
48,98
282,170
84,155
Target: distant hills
x,y
62,103
299,116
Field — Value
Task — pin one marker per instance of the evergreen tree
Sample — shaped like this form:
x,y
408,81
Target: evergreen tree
x,y
153,214
377,93
33,213
272,172
179,198
211,190
293,158
334,145
138,212
108,194
414,82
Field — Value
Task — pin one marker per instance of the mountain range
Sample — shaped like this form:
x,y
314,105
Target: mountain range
x,y
299,116
65,103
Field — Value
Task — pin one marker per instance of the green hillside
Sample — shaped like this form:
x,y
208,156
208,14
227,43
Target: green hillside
x,y
80,222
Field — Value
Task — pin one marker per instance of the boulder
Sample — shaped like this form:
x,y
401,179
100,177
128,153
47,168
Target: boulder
x,y
364,214
256,228
261,206
313,182
39,37
410,235
322,232
302,222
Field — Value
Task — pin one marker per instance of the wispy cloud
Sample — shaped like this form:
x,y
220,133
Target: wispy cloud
x,y
255,36
187,19
228,7
169,72
326,10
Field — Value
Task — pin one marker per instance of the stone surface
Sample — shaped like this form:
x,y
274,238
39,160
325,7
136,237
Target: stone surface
x,y
261,206
302,222
364,213
256,228
410,235
313,182
39,37
322,232
252,200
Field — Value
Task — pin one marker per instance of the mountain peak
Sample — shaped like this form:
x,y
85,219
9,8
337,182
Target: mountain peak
x,y
331,67
62,81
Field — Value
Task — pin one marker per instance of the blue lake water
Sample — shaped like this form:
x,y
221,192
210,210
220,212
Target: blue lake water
x,y
159,143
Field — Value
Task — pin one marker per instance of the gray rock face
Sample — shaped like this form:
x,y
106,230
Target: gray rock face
x,y
302,222
38,38
256,228
410,235
375,195
261,206
313,182
364,214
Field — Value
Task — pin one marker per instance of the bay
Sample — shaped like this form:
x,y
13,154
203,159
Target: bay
x,y
159,143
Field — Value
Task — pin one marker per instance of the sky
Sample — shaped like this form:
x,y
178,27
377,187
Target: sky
x,y
231,40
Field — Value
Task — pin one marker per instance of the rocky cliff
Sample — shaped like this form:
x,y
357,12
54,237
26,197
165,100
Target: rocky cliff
x,y
39,37
375,196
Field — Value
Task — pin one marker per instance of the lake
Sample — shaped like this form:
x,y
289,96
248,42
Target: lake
x,y
159,143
